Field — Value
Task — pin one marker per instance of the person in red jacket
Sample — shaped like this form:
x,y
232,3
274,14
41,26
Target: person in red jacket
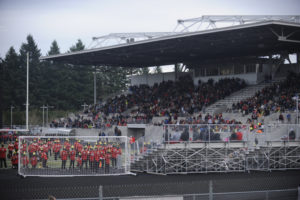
x,y
84,155
72,155
97,159
79,161
67,145
31,149
119,156
16,145
44,158
23,147
64,157
33,160
107,162
79,148
56,149
24,160
15,160
114,154
50,144
91,158
45,147
239,136
3,156
10,149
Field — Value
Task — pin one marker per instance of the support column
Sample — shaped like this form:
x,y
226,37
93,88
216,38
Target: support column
x,y
298,61
176,71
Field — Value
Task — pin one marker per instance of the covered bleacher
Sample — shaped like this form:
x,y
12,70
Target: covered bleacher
x,y
258,151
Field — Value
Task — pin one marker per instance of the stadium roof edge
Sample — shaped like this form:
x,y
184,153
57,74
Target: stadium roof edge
x,y
169,37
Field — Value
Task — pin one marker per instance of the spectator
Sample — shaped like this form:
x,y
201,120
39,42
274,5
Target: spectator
x,y
292,135
3,156
185,135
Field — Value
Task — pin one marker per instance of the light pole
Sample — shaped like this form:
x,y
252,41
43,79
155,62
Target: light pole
x,y
11,116
27,92
95,88
47,112
43,107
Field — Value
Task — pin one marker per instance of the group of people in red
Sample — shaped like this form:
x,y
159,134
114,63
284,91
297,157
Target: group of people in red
x,y
94,156
12,153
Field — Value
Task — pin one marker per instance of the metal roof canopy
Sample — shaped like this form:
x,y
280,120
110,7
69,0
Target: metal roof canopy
x,y
257,39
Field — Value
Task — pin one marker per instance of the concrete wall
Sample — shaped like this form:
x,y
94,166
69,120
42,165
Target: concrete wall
x,y
250,78
285,68
151,79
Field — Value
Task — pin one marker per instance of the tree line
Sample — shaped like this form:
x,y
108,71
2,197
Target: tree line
x,y
64,86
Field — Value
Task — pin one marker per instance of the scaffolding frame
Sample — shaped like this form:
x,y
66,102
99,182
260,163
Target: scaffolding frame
x,y
224,156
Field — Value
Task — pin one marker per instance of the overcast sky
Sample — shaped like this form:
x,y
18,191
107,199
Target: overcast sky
x,y
68,20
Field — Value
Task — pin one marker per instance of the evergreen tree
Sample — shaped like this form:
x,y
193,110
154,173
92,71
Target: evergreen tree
x,y
66,87
1,92
145,70
157,70
77,47
13,80
54,49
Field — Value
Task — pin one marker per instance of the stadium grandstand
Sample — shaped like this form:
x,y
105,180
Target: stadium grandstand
x,y
234,110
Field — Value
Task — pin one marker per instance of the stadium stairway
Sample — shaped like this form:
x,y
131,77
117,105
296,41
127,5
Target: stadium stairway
x,y
226,103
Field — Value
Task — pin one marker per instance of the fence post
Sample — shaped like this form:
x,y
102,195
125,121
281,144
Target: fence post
x,y
100,192
298,192
267,195
210,188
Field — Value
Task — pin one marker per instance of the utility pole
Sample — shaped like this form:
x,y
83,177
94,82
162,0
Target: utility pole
x,y
11,116
43,107
47,112
95,88
27,92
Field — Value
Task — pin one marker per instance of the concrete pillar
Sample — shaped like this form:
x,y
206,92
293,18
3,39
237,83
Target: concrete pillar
x,y
298,61
176,71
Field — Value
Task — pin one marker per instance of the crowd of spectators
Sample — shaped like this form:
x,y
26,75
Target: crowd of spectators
x,y
167,99
199,119
275,98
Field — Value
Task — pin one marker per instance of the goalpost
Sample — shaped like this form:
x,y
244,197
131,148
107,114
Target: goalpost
x,y
58,156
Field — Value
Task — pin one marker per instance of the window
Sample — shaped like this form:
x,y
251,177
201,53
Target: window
x,y
238,69
212,71
199,72
226,70
250,68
